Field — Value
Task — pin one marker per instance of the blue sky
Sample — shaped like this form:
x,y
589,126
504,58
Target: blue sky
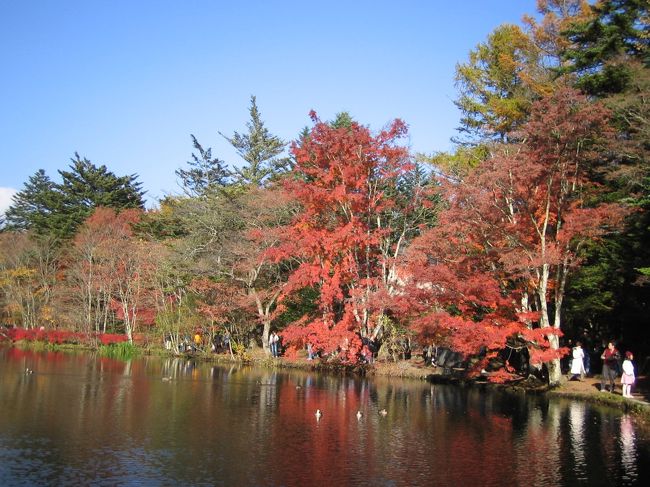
x,y
125,83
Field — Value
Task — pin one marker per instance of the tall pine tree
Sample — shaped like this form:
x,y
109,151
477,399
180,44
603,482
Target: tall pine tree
x,y
602,46
36,207
260,151
205,172
56,210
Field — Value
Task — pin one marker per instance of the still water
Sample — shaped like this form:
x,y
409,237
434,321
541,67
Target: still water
x,y
80,419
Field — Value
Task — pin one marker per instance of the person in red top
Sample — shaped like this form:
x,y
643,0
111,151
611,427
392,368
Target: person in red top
x,y
610,359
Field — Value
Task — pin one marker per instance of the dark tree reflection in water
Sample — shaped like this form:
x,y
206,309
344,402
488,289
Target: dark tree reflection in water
x,y
82,419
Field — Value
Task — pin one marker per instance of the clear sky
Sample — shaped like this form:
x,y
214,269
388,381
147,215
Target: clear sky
x,y
125,82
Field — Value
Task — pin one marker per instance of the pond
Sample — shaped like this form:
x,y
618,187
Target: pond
x,y
82,419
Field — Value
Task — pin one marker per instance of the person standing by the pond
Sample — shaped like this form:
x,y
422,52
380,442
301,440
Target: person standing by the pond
x,y
627,379
610,359
278,345
578,364
273,341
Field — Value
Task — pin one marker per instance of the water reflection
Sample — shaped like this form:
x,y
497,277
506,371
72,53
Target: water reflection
x,y
83,419
628,448
577,433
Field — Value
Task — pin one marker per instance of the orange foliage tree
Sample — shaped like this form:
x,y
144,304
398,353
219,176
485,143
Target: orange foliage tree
x,y
109,269
514,230
346,237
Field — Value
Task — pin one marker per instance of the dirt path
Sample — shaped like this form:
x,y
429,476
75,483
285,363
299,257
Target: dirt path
x,y
591,385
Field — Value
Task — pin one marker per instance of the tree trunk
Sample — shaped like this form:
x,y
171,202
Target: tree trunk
x,y
554,371
265,336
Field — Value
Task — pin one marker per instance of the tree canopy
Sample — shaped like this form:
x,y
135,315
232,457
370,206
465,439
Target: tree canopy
x,y
57,209
259,149
204,173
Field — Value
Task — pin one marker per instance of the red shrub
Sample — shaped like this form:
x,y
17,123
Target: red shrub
x,y
62,336
110,338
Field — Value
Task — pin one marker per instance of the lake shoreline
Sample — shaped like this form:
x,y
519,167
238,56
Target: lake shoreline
x,y
414,369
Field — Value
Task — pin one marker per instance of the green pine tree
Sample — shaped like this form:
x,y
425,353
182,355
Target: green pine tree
x,y
205,172
602,46
36,207
86,186
57,210
260,151
342,119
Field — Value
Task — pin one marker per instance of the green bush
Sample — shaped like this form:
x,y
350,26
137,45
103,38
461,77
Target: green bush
x,y
121,351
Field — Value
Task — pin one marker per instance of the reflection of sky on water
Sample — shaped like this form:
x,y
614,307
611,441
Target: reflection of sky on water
x,y
628,448
577,432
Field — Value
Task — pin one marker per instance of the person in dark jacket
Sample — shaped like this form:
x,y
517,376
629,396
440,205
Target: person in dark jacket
x,y
610,359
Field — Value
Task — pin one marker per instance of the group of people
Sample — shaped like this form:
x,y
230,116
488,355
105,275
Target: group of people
x,y
199,341
611,368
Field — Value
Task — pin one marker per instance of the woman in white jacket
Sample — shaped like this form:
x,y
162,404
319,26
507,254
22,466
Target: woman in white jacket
x,y
578,362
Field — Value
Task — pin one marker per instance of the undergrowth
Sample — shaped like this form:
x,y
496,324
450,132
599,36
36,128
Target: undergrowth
x,y
121,351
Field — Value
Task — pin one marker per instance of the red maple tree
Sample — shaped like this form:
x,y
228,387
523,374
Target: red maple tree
x,y
514,229
345,237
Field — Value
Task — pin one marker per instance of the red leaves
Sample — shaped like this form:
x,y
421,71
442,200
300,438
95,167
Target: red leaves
x,y
216,300
340,235
338,341
111,338
501,376
109,221
62,336
512,229
546,354
110,266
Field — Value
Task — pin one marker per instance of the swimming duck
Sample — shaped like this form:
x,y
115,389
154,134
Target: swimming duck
x,y
359,414
318,414
383,412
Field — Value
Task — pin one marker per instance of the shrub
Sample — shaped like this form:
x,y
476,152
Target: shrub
x,y
122,350
111,338
59,337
